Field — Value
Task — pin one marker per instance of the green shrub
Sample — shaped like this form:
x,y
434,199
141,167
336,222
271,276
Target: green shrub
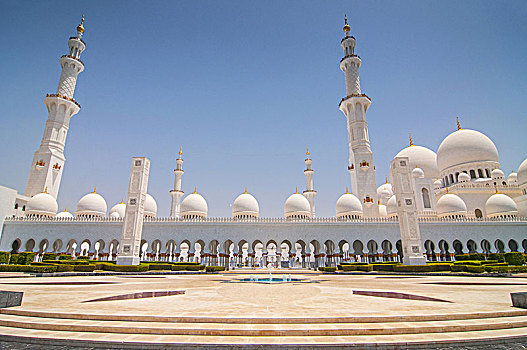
x,y
384,267
496,256
156,267
355,263
365,268
193,267
82,268
475,269
516,269
463,257
43,269
459,268
515,258
49,256
65,257
13,259
468,262
349,267
327,269
64,268
4,257
496,269
214,268
25,258
422,268
14,268
490,262
83,258
497,264
477,256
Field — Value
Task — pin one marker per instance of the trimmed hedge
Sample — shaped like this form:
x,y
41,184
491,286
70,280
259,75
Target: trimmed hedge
x,y
24,258
68,262
496,269
384,267
515,258
468,262
422,268
462,257
4,257
327,269
49,256
475,269
192,267
214,268
82,268
27,268
65,257
491,262
157,267
459,268
496,256
364,268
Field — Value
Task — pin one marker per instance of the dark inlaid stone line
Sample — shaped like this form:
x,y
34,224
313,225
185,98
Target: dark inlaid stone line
x,y
58,283
396,295
477,283
140,295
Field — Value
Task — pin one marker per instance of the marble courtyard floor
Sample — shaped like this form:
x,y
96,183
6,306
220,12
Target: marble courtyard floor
x,y
218,309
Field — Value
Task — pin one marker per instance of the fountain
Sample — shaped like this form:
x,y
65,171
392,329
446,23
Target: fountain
x,y
271,279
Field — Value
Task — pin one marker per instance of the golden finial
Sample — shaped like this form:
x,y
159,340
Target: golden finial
x,y
195,189
180,151
95,189
307,152
66,208
346,28
46,189
347,190
386,179
122,201
296,191
411,141
447,190
80,27
458,125
245,189
496,187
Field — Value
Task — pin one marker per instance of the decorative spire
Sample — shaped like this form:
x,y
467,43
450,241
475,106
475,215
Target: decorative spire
x,y
496,187
95,189
411,141
307,152
296,191
458,125
122,201
347,190
386,179
245,189
80,27
46,189
346,28
180,151
66,208
195,189
447,191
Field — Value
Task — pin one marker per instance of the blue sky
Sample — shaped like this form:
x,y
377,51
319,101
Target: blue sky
x,y
245,86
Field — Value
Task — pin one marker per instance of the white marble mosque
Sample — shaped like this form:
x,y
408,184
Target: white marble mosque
x,y
465,203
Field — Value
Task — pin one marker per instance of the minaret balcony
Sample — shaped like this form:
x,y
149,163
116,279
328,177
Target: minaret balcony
x,y
349,56
79,39
364,165
64,98
368,201
40,164
73,58
354,95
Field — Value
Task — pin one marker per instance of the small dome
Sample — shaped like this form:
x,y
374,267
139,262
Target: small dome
x,y
418,173
500,204
385,187
391,207
497,174
194,205
65,215
522,173
465,146
463,177
118,210
383,213
512,179
438,184
421,157
150,206
348,205
92,204
245,205
451,205
42,204
297,205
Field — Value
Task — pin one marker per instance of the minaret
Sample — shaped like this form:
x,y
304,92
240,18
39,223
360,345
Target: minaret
x,y
354,106
309,193
48,161
176,193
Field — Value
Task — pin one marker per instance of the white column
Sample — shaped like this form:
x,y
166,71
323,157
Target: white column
x,y
130,245
176,193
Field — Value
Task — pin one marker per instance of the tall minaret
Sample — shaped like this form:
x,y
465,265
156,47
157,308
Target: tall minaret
x,y
354,106
176,193
48,161
309,193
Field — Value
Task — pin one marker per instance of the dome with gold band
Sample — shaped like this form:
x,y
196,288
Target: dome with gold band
x,y
80,27
346,28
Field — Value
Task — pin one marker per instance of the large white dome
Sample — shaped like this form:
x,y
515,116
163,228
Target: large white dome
x,y
194,205
522,173
118,210
500,204
245,205
421,157
92,204
465,146
385,187
42,204
451,205
348,205
150,206
297,205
